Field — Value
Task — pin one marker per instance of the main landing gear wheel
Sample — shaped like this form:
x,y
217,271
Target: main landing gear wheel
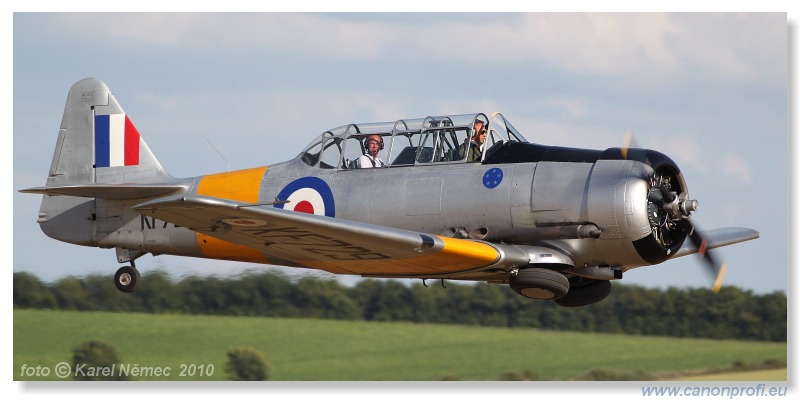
x,y
539,283
127,279
580,295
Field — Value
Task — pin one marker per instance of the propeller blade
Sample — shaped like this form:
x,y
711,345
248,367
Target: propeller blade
x,y
720,276
717,270
626,144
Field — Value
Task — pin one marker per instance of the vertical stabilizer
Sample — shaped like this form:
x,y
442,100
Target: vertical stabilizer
x,y
98,143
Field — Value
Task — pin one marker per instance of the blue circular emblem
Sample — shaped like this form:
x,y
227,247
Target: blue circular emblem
x,y
492,178
307,195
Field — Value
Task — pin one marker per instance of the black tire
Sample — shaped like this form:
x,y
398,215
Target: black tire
x,y
127,279
539,283
586,294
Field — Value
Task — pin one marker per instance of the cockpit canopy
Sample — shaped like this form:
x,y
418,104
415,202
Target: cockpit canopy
x,y
432,140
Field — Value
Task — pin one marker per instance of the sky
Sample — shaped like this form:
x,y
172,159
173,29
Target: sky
x,y
709,90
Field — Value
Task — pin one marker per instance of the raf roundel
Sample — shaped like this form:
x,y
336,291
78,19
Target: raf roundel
x,y
308,195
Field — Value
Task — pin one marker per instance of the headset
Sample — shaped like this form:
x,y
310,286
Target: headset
x,y
366,142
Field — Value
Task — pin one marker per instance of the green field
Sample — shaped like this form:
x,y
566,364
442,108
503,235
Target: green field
x,y
313,349
766,375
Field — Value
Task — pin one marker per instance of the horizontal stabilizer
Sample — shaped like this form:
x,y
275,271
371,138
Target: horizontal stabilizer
x,y
120,191
720,237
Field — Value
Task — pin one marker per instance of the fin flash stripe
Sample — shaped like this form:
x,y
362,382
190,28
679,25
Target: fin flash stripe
x,y
116,141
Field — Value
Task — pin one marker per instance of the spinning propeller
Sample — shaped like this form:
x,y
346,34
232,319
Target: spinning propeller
x,y
670,210
717,270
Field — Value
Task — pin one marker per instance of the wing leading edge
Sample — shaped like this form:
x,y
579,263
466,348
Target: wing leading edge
x,y
331,244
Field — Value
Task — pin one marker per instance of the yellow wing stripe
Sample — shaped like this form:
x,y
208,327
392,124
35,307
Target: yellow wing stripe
x,y
244,186
457,255
476,251
215,248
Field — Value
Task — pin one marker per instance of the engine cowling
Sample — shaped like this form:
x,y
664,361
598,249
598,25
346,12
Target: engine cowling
x,y
639,203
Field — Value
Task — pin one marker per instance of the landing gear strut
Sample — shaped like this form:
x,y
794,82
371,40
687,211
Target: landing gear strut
x,y
127,278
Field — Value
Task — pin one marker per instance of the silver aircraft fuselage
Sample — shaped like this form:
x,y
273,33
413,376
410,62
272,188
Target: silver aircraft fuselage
x,y
521,193
460,197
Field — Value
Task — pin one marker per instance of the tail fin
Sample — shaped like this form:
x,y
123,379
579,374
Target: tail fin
x,y
98,143
99,158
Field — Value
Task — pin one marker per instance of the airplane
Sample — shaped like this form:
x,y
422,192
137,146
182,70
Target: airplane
x,y
553,223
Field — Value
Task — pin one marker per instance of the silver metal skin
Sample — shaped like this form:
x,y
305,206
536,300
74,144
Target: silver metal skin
x,y
587,214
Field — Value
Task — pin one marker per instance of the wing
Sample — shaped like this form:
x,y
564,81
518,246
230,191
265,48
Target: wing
x,y
718,238
331,244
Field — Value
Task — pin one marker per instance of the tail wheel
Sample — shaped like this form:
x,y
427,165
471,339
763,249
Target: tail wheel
x,y
127,279
586,294
539,283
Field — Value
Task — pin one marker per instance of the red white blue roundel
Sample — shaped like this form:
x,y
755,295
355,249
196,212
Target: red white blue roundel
x,y
308,195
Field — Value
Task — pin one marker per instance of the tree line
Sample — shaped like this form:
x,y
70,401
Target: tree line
x,y
732,314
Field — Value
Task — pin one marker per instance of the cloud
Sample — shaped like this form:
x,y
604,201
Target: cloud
x,y
734,46
685,150
601,44
646,46
654,45
736,166
255,32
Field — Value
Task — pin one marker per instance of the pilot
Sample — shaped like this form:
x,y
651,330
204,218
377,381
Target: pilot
x,y
475,144
373,143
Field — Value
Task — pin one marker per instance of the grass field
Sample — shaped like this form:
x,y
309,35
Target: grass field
x,y
312,349
765,375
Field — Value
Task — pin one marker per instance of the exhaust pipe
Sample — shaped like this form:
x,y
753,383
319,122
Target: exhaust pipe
x,y
524,235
